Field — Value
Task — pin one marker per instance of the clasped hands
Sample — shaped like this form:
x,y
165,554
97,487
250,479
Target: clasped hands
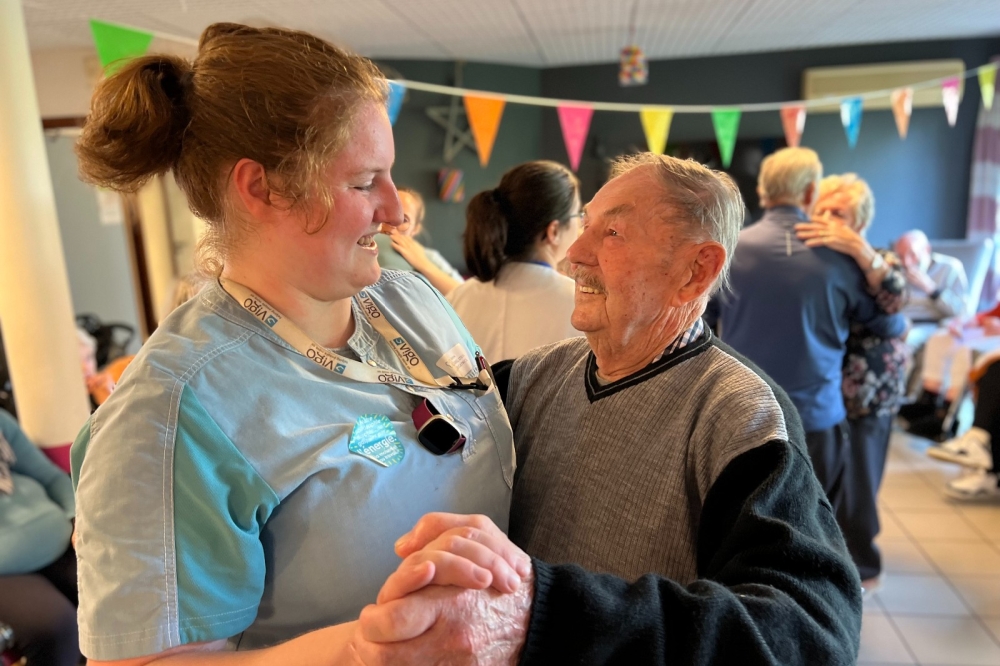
x,y
462,595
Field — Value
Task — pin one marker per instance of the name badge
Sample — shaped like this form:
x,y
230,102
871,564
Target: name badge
x,y
374,438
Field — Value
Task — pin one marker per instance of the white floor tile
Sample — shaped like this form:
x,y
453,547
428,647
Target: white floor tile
x,y
984,517
963,559
903,556
936,525
949,641
919,595
981,594
880,643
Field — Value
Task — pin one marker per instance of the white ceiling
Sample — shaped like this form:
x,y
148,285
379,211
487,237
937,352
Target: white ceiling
x,y
538,32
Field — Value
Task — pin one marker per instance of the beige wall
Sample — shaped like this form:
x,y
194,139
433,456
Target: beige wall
x,y
64,79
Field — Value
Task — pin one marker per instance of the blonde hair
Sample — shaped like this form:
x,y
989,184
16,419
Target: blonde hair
x,y
864,208
418,200
282,98
708,200
785,175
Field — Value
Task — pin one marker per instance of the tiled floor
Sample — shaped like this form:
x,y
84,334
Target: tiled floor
x,y
940,600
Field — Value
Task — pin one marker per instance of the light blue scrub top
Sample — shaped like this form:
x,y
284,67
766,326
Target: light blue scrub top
x,y
217,497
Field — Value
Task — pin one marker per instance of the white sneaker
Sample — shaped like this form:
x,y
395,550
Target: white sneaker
x,y
975,486
971,449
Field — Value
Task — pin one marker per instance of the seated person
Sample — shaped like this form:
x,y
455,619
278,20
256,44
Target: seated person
x,y
978,449
938,285
37,564
664,489
404,252
948,358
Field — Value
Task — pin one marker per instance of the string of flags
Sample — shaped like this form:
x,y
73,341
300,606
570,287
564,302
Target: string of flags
x,y
116,44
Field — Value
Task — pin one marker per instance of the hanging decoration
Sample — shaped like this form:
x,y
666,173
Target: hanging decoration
x,y
394,102
793,121
850,117
902,108
451,189
633,69
951,96
987,84
116,45
727,124
575,124
484,114
656,127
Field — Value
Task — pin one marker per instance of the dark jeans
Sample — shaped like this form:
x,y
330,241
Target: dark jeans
x,y
41,609
858,514
988,409
829,451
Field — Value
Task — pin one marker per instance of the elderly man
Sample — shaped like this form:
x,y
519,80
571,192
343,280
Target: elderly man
x,y
792,306
663,489
938,284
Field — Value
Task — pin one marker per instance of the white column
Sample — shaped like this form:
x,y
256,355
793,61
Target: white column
x,y
35,308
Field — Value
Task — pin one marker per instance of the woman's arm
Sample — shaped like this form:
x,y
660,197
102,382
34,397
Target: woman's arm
x,y
320,647
414,253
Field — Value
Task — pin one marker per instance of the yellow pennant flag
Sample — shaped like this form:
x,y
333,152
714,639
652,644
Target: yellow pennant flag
x,y
656,125
484,115
987,85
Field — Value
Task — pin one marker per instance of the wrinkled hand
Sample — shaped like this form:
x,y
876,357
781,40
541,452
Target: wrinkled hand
x,y
410,249
449,624
831,233
445,625
919,279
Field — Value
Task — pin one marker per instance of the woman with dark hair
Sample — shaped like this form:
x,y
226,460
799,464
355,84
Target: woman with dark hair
x,y
515,235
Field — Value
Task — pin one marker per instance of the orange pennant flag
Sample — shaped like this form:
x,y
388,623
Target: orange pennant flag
x,y
902,107
484,115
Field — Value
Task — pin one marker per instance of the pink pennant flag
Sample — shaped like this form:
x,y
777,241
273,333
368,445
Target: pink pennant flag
x,y
575,123
793,120
951,97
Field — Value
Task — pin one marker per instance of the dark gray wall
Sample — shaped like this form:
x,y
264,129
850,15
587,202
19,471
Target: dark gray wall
x,y
420,142
922,182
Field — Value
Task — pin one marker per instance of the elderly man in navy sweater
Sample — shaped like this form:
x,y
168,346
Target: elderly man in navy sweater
x,y
791,306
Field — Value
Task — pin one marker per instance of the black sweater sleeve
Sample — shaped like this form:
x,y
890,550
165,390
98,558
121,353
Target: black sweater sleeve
x,y
775,585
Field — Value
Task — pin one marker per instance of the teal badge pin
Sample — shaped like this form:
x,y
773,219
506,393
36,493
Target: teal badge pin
x,y
374,438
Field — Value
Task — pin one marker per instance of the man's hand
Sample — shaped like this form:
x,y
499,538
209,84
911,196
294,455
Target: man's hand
x,y
446,625
919,279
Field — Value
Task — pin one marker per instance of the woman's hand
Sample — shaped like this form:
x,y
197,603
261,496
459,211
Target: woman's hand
x,y
829,232
991,325
411,250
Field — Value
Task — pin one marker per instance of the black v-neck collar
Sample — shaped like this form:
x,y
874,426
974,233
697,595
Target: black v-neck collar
x,y
596,390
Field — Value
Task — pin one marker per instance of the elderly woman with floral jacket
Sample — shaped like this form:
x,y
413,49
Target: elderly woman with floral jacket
x,y
874,367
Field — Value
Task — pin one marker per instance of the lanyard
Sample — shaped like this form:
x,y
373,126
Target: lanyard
x,y
303,344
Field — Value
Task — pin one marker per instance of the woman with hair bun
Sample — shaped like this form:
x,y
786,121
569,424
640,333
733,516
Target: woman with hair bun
x,y
243,486
515,235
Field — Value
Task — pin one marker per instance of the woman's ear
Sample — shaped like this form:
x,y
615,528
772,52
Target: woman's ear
x,y
251,186
553,232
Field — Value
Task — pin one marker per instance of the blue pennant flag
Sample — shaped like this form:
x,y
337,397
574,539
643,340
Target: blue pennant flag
x,y
395,102
850,116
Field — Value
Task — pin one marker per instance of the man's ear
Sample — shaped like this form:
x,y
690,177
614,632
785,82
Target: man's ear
x,y
809,195
706,263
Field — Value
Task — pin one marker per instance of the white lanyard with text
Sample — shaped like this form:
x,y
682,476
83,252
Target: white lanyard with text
x,y
302,343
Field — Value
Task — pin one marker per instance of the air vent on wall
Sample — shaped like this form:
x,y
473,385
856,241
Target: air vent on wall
x,y
821,82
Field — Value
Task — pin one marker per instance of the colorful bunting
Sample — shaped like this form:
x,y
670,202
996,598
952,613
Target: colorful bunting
x,y
902,108
656,125
850,117
987,85
793,120
575,124
484,115
397,91
727,124
951,97
115,45
634,70
451,189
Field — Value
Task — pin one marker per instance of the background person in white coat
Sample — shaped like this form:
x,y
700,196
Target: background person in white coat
x,y
515,235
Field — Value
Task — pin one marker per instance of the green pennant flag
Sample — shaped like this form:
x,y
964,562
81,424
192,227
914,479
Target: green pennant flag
x,y
727,123
115,44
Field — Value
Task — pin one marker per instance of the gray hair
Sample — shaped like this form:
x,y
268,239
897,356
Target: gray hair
x,y
785,174
864,209
707,200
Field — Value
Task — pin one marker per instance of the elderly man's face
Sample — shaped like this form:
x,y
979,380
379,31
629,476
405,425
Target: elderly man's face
x,y
914,252
630,260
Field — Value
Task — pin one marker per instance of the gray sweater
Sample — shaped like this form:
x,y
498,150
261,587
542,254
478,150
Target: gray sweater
x,y
673,515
